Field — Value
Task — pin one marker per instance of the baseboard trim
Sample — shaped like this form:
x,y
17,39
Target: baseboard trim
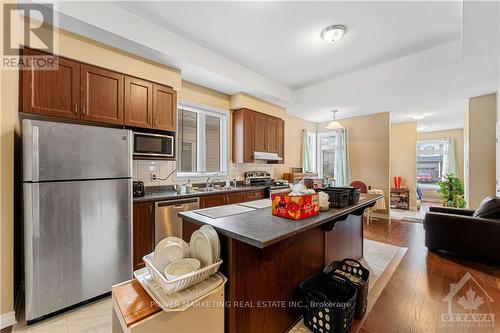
x,y
7,319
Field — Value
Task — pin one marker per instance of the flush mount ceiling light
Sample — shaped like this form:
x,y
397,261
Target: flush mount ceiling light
x,y
334,124
418,116
333,33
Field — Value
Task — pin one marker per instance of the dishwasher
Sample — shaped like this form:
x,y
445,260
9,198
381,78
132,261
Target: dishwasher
x,y
167,223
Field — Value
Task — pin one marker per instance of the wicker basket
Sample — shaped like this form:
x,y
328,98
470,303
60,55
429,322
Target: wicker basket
x,y
183,282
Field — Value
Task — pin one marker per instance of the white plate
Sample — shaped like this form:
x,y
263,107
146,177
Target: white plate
x,y
169,250
214,239
201,248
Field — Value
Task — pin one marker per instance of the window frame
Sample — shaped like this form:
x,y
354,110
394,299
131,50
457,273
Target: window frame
x,y
319,156
202,111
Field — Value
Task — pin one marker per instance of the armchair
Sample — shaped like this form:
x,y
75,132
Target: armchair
x,y
456,230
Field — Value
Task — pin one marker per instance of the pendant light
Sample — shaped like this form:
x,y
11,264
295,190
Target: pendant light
x,y
334,124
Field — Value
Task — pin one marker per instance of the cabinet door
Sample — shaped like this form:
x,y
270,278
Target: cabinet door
x,y
234,198
51,92
271,134
212,200
143,233
138,102
164,108
260,132
102,95
254,195
280,139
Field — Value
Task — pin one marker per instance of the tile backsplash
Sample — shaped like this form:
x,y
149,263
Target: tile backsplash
x,y
144,169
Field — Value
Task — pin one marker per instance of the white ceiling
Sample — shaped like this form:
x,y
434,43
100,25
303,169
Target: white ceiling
x,y
403,57
282,40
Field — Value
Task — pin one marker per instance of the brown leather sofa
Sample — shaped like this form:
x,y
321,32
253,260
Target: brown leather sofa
x,y
456,230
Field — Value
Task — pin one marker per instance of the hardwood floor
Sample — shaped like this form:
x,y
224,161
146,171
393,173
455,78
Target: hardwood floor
x,y
412,300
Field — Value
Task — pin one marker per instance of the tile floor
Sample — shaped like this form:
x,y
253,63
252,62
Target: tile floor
x,y
96,317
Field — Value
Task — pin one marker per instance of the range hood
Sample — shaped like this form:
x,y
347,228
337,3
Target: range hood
x,y
260,155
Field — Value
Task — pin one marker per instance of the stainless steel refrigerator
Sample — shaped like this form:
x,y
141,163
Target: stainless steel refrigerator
x,y
77,191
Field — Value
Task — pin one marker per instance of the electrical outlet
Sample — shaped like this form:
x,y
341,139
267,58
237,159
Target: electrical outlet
x,y
154,176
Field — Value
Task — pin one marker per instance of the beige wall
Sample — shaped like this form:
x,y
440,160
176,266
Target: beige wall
x,y
369,149
86,50
7,123
241,100
404,156
481,148
458,136
191,92
8,105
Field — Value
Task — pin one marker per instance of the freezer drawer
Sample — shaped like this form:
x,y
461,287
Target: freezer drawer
x,y
77,241
60,151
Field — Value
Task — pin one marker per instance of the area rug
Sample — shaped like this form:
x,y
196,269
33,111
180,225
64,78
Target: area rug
x,y
381,259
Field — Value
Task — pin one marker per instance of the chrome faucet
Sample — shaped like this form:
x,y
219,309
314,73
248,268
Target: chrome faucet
x,y
210,182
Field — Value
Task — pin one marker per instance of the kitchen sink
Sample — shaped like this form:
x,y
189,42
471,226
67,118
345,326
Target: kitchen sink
x,y
212,189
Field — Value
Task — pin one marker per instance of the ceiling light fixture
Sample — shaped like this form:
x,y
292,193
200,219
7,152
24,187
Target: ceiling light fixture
x,y
334,124
418,116
333,33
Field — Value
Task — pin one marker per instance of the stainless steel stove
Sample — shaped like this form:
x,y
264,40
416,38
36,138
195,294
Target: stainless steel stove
x,y
264,178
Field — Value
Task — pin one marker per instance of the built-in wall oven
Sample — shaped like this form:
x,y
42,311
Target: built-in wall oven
x,y
154,145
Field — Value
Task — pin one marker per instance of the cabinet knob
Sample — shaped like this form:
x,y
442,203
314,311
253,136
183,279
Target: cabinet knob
x,y
83,110
76,109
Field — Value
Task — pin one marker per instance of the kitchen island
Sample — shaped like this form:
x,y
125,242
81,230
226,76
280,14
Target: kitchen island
x,y
267,257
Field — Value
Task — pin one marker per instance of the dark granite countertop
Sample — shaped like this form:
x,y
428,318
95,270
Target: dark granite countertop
x,y
260,228
166,193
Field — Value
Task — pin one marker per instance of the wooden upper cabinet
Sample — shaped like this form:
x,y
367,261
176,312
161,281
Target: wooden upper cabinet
x,y
164,108
138,102
102,95
255,131
51,92
260,132
272,134
80,91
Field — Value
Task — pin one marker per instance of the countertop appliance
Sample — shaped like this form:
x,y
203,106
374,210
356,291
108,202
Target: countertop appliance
x,y
153,145
167,222
77,197
138,190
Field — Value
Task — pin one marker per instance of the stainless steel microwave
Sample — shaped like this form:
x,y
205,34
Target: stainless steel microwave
x,y
153,145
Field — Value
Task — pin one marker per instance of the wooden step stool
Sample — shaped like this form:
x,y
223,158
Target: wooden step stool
x,y
134,311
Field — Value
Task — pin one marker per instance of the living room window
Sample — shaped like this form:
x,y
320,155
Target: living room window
x,y
202,141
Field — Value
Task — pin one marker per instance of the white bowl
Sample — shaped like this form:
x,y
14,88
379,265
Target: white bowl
x,y
181,267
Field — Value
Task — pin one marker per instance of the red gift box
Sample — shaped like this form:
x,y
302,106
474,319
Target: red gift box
x,y
295,207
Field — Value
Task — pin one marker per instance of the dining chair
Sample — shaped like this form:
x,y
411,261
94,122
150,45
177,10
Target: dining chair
x,y
363,189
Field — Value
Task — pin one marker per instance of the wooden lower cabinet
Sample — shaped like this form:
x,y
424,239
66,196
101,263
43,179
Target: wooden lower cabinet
x,y
234,198
254,195
230,198
212,200
143,231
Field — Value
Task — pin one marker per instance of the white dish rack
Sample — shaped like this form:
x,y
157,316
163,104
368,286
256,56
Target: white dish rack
x,y
182,282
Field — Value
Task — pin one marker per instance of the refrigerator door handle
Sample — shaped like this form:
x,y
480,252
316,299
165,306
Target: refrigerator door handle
x,y
35,154
36,210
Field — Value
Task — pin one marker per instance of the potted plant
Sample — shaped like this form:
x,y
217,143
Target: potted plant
x,y
452,191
